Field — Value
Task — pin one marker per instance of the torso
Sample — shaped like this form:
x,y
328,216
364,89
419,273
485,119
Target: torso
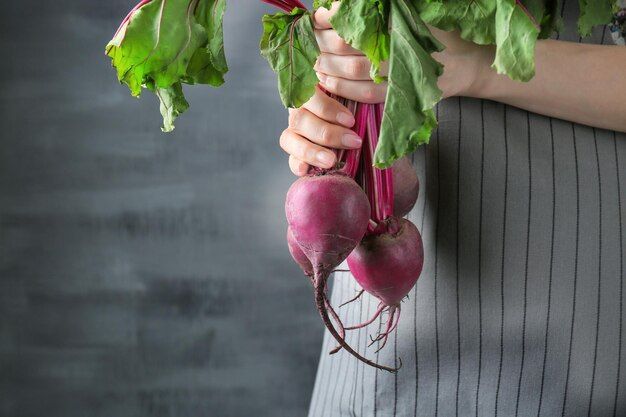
x,y
519,308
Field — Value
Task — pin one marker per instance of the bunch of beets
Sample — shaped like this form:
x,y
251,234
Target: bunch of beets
x,y
354,211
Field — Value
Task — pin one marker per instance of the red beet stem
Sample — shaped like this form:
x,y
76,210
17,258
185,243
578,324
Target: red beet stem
x,y
353,156
130,14
299,4
280,4
528,13
383,177
286,5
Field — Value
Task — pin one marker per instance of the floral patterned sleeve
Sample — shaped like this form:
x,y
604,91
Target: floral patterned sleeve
x,y
618,26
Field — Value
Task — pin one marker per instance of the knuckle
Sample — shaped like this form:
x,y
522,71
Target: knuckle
x,y
339,45
334,85
306,153
369,94
314,103
326,136
320,62
326,110
356,67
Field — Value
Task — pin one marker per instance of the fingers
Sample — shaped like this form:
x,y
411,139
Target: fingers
x,y
351,67
319,131
329,109
363,91
320,124
322,16
330,42
298,167
344,70
306,151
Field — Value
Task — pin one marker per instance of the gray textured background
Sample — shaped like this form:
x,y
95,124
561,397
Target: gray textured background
x,y
143,274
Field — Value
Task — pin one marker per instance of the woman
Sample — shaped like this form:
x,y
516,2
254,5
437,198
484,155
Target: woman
x,y
519,309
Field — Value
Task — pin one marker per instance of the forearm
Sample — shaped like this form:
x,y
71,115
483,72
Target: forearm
x,y
581,83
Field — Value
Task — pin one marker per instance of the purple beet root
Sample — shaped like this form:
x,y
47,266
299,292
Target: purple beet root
x,y
387,265
307,268
328,214
296,253
406,187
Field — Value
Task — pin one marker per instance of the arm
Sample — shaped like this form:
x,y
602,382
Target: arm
x,y
581,83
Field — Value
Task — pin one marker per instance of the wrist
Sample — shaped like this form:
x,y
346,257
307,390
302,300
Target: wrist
x,y
485,77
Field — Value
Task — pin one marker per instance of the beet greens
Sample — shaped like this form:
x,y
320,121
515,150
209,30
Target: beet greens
x,y
162,45
349,212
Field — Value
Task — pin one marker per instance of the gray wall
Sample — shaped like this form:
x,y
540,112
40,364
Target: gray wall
x,y
143,274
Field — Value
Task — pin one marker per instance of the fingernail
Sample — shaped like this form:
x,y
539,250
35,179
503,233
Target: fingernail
x,y
322,77
350,140
325,158
346,119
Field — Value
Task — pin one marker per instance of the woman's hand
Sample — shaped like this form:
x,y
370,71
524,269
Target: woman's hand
x,y
321,123
324,123
466,66
345,71
575,82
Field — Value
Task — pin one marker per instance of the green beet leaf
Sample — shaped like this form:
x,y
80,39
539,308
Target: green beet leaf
x,y
511,26
208,65
364,25
290,47
408,118
173,104
593,13
535,9
322,3
551,20
165,43
516,36
474,19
